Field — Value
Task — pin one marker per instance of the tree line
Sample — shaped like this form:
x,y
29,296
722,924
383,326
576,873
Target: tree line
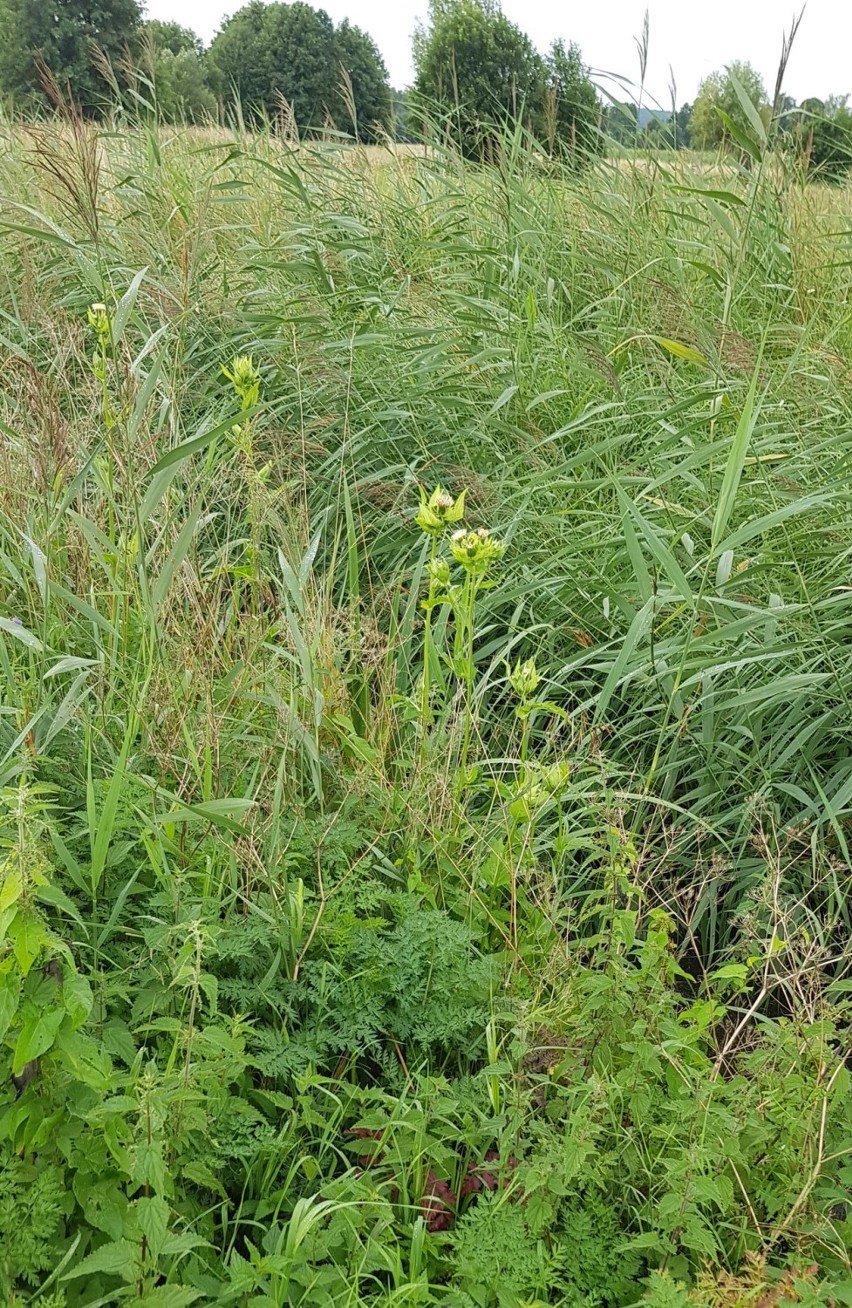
x,y
475,72
268,58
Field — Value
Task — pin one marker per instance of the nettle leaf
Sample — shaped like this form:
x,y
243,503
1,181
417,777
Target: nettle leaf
x,y
77,997
103,1202
12,888
151,1216
149,1168
27,934
83,1058
37,1034
118,1258
169,1296
10,996
698,1237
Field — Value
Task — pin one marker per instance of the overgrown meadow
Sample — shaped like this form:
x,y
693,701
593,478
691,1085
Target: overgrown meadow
x,y
425,728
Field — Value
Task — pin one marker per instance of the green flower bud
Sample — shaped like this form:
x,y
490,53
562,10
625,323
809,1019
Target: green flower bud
x,y
438,510
439,574
524,679
476,551
99,320
245,379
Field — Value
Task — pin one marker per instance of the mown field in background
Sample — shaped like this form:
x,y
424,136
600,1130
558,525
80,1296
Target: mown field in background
x,y
413,898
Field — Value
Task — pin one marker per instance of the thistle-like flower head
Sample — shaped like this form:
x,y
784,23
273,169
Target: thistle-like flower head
x,y
245,379
524,679
99,319
439,573
476,551
438,511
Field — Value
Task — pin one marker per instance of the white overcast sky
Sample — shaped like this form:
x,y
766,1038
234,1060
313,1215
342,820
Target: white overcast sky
x,y
693,36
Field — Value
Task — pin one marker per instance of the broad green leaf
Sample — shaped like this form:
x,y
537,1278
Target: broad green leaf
x,y
658,547
157,487
223,813
125,307
749,107
70,663
176,556
502,401
722,197
168,1296
36,1036
118,1258
151,1217
744,140
10,995
143,398
200,442
26,932
12,888
102,824
149,1167
723,219
39,562
637,631
83,1058
724,568
634,549
767,523
77,692
77,997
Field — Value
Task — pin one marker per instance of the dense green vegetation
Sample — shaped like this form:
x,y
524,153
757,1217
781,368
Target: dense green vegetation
x,y
61,38
270,55
424,748
477,71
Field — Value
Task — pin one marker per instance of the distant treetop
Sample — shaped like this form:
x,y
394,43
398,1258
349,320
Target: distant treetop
x,y
272,54
63,36
718,100
475,70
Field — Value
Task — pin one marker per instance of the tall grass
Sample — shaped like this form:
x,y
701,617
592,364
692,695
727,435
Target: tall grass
x,y
211,645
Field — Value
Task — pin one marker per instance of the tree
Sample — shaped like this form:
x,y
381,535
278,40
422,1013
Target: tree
x,y
172,59
658,133
572,108
684,133
786,115
620,122
822,136
302,63
181,87
358,56
401,116
717,96
266,53
269,53
478,70
64,34
169,36
237,58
